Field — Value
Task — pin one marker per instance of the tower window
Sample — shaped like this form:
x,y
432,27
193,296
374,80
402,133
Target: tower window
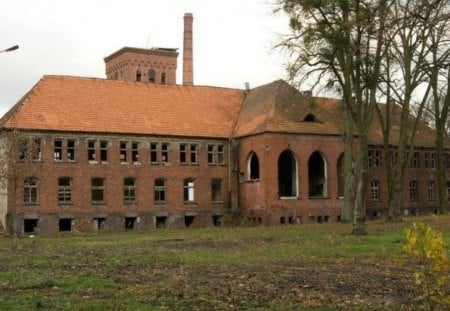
x,y
151,75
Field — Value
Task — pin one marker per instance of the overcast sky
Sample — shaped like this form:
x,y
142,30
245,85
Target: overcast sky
x,y
233,39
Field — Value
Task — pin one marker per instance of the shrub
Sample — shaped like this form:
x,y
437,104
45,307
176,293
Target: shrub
x,y
426,246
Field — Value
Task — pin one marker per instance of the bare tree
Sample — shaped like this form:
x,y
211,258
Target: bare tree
x,y
341,42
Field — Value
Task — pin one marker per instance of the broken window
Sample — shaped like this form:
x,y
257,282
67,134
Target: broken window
x,y
138,76
216,190
103,151
91,150
374,158
99,223
375,190
65,190
287,174
135,152
189,190
253,166
129,190
151,76
98,190
415,160
160,191
30,225
57,149
431,190
413,191
310,118
211,154
23,148
123,151
193,154
70,150
30,190
130,222
154,152
37,149
188,220
163,78
183,151
217,220
65,224
161,221
394,158
430,160
165,152
221,154
317,175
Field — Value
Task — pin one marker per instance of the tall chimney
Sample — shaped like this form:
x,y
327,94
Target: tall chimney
x,y
188,71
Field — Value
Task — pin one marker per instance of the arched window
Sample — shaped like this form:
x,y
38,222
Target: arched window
x,y
253,166
151,76
317,175
138,75
163,78
310,118
287,174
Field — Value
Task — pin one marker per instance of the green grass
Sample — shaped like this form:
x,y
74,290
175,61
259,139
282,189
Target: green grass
x,y
204,269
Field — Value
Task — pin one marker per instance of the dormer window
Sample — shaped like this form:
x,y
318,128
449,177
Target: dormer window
x,y
151,76
310,118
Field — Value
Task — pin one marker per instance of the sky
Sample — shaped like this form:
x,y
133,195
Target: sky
x,y
233,39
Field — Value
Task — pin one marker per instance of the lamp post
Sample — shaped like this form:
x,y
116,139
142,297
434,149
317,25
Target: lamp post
x,y
13,48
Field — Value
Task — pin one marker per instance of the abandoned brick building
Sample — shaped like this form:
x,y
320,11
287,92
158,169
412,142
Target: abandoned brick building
x,y
138,151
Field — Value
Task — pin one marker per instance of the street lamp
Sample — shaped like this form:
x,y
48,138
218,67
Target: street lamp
x,y
14,47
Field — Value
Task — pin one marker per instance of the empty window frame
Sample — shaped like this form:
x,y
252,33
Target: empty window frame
x,y
135,152
163,78
65,224
189,190
154,152
216,190
413,191
138,76
193,150
164,152
129,190
211,156
123,151
70,150
98,190
221,154
99,223
375,190
253,166
151,76
431,190
183,153
57,149
374,158
30,190
65,190
430,160
103,151
36,149
30,225
160,191
394,158
446,160
130,223
23,151
415,160
91,150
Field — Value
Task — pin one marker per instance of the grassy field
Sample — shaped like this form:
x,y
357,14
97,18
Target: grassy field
x,y
295,267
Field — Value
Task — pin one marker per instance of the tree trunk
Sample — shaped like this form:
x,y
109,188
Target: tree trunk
x,y
361,177
441,172
349,195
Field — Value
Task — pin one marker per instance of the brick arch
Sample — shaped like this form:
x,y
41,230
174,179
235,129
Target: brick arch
x,y
287,174
253,166
317,175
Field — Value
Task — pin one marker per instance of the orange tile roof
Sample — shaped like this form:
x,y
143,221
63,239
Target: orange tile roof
x,y
65,103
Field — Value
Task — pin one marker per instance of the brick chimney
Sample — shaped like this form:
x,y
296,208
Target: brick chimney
x,y
188,63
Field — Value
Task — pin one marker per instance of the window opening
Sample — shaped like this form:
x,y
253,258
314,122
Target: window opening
x,y
310,118
130,223
189,190
103,151
71,150
129,190
375,190
138,76
37,142
57,150
193,154
165,152
188,220
415,160
317,175
183,151
374,158
413,191
99,223
154,152
30,225
65,224
30,191
123,151
431,190
163,78
210,154
65,190
98,190
217,220
253,166
221,154
91,150
160,191
161,221
135,152
216,190
151,76
287,174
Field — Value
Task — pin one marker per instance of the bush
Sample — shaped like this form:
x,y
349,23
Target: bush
x,y
432,275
